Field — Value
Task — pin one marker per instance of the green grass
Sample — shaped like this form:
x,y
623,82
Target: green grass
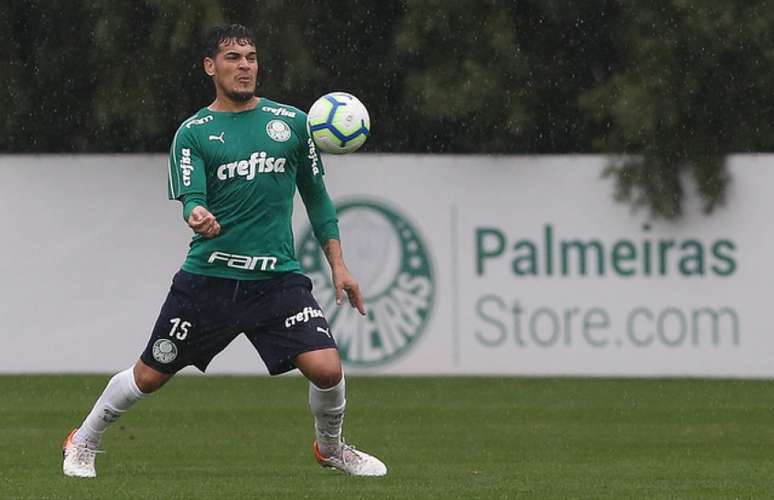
x,y
243,437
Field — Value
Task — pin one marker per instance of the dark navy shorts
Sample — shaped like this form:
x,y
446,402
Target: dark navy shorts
x,y
203,314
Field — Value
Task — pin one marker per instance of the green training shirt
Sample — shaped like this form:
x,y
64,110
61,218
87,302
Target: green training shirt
x,y
244,168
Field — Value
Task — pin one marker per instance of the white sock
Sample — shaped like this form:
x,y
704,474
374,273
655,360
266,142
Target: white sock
x,y
327,406
121,393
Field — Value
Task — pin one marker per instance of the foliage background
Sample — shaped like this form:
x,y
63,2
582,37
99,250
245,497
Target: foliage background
x,y
667,88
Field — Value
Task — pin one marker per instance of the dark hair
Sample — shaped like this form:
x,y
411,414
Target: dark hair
x,y
223,33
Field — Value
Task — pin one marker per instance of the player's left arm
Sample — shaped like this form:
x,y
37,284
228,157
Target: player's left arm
x,y
322,215
343,281
325,225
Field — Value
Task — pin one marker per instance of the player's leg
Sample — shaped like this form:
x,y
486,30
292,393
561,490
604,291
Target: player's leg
x,y
122,391
188,331
327,401
327,396
291,332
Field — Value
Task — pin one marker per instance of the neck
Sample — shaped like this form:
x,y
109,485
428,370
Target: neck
x,y
224,103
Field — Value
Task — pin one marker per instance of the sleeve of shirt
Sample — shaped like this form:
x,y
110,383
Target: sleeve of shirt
x,y
311,186
187,180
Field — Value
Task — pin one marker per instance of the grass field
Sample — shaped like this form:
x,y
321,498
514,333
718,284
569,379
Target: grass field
x,y
242,437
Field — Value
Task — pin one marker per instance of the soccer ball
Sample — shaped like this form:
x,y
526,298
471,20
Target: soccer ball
x,y
338,123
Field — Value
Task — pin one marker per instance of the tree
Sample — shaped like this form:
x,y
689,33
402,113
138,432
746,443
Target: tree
x,y
693,88
101,75
502,77
670,87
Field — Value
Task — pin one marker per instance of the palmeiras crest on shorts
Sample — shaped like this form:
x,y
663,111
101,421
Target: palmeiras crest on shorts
x,y
278,130
387,256
164,351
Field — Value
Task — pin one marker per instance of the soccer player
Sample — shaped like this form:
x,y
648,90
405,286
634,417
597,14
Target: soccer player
x,y
235,166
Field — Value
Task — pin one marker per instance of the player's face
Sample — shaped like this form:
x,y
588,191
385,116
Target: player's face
x,y
234,70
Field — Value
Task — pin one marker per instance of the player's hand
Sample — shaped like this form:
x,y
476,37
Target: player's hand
x,y
343,281
203,222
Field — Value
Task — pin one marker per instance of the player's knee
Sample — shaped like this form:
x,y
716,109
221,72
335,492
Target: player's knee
x,y
322,367
149,380
327,377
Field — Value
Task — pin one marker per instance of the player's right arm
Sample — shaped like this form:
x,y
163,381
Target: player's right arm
x,y
187,182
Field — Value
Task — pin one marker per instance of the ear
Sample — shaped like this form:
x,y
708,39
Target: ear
x,y
209,66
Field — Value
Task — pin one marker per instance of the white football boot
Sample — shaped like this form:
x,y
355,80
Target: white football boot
x,y
78,458
351,461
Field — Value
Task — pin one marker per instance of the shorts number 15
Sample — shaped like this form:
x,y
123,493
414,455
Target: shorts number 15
x,y
179,328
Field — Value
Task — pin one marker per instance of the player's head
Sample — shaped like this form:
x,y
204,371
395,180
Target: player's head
x,y
230,58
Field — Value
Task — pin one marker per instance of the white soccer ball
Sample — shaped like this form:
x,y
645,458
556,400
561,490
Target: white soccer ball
x,y
338,123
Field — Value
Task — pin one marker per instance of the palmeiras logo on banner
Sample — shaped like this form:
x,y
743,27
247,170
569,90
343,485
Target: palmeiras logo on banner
x,y
387,256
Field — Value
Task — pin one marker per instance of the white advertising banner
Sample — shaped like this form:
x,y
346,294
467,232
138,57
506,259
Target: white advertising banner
x,y
469,265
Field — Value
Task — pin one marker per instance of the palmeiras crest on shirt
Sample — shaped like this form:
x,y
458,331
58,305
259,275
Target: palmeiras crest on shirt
x,y
278,130
387,256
